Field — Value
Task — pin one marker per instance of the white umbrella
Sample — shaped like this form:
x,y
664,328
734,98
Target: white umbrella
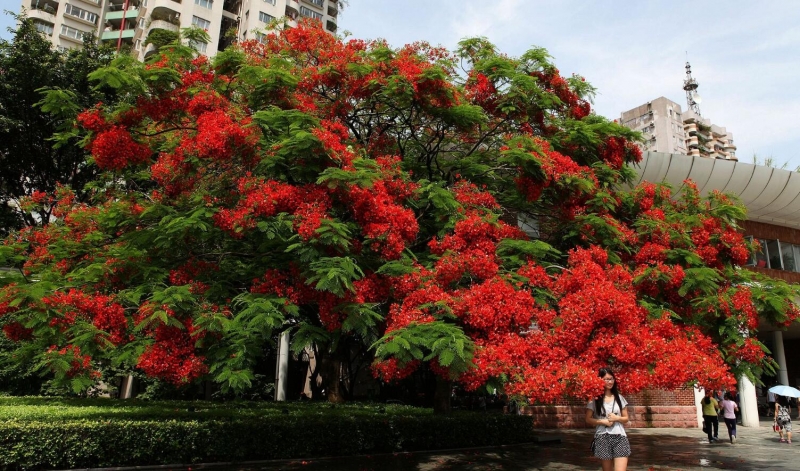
x,y
786,391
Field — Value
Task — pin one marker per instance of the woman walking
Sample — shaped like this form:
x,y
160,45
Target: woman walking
x,y
729,409
608,412
783,417
710,417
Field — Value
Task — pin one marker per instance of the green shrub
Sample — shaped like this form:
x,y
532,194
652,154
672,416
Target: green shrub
x,y
58,433
161,37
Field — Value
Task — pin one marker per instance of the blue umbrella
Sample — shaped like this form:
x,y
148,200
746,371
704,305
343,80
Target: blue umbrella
x,y
786,391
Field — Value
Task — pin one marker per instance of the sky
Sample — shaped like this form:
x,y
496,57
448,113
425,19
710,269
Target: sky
x,y
745,55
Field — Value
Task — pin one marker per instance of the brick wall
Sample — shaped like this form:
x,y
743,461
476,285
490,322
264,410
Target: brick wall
x,y
762,230
652,408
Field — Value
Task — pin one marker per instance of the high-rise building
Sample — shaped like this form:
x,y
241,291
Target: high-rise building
x,y
669,130
129,22
666,129
661,123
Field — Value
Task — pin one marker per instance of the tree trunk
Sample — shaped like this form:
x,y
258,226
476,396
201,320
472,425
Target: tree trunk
x,y
332,375
441,397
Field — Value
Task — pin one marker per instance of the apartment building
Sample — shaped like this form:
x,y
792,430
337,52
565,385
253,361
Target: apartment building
x,y
668,129
660,121
129,22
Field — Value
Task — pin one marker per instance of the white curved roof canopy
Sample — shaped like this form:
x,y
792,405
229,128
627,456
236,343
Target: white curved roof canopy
x,y
771,195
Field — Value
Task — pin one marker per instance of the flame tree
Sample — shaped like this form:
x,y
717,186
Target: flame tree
x,y
365,196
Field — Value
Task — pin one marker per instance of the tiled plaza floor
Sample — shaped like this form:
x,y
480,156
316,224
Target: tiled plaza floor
x,y
653,449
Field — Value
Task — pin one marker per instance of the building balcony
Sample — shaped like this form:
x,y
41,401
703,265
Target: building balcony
x,y
163,24
232,6
291,12
114,35
45,6
119,5
315,3
330,26
44,27
131,14
150,50
332,10
43,15
168,13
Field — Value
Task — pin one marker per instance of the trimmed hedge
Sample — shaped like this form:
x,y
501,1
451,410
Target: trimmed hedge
x,y
297,431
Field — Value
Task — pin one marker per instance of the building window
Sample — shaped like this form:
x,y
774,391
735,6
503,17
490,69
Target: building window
x,y
44,28
201,23
309,13
198,46
787,254
72,32
76,12
759,258
141,23
316,2
774,255
271,2
264,18
204,3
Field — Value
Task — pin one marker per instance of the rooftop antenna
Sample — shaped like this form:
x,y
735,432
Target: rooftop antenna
x,y
690,85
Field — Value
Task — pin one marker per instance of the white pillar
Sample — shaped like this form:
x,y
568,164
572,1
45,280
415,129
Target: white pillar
x,y
699,394
748,403
126,387
282,367
780,357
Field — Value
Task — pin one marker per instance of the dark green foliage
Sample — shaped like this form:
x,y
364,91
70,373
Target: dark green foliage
x,y
161,37
38,433
38,148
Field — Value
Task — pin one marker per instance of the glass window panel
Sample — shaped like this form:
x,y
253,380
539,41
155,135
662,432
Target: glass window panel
x,y
787,254
796,249
774,255
761,253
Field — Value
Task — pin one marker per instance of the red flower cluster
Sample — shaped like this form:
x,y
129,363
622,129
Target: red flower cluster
x,y
100,310
115,149
172,356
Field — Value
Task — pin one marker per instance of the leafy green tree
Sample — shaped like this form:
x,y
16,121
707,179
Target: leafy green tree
x,y
38,150
367,199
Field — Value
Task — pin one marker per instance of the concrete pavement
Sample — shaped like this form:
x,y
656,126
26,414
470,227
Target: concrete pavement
x,y
653,450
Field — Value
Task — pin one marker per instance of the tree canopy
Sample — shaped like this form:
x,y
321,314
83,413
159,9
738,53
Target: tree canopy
x,y
38,150
462,211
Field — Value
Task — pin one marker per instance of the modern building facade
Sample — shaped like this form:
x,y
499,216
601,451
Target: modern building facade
x,y
772,198
129,22
667,129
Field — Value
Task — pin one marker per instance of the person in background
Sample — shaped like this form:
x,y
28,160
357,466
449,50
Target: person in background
x,y
770,403
783,417
710,417
608,412
729,409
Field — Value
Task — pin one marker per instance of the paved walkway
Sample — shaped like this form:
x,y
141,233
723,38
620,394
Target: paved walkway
x,y
653,450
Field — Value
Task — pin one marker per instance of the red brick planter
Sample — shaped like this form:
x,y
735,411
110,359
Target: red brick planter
x,y
671,409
